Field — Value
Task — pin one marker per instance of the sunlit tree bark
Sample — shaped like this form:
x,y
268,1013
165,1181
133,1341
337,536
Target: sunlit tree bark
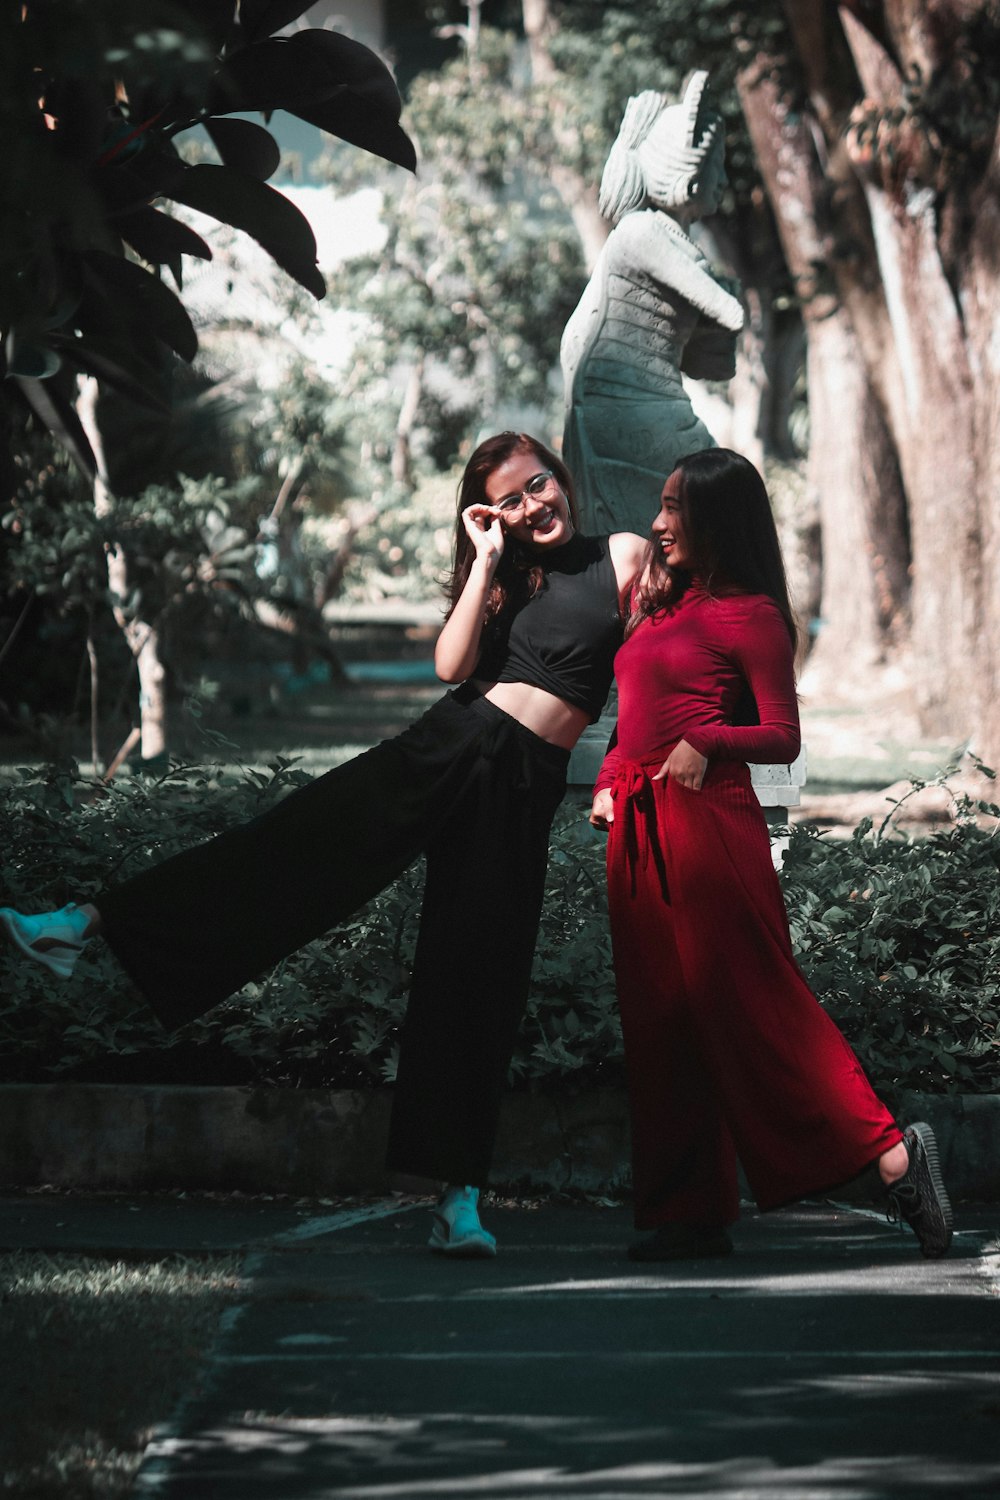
x,y
852,471
142,636
879,149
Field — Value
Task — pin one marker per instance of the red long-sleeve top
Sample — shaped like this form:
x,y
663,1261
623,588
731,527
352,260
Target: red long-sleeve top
x,y
715,671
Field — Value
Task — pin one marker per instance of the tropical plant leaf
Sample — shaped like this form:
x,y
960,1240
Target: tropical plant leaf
x,y
119,366
245,146
350,65
264,214
57,412
275,74
261,18
30,356
351,118
126,188
148,300
160,239
309,71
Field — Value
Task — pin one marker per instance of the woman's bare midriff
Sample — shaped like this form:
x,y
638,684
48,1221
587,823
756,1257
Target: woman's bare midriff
x,y
551,718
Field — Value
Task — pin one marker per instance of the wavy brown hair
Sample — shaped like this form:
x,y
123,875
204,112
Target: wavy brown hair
x,y
518,573
731,532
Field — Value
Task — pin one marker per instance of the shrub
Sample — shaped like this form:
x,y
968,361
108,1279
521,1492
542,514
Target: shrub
x,y
899,938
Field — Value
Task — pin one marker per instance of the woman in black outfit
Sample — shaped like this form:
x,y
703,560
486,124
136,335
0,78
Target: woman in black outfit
x,y
534,620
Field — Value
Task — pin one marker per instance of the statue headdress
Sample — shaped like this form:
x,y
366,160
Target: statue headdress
x,y
659,151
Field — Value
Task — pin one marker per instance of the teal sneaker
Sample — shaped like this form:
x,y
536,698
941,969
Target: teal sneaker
x,y
54,939
457,1230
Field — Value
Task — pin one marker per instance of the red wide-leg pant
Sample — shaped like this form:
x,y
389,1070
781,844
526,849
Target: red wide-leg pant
x,y
727,1050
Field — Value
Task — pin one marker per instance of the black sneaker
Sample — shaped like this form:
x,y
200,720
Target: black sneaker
x,y
682,1242
919,1195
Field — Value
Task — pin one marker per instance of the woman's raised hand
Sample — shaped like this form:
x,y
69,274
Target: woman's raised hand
x,y
485,531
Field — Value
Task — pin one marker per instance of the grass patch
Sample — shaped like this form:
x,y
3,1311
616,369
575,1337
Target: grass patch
x,y
96,1354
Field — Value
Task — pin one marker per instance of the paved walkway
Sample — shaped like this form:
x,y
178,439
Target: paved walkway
x,y
825,1359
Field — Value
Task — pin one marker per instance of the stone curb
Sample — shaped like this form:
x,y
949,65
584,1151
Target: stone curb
x,y
316,1141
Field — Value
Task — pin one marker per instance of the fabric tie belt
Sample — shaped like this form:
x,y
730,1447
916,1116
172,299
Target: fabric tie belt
x,y
634,791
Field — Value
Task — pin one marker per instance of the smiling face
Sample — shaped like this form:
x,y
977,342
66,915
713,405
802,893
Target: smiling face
x,y
536,512
669,532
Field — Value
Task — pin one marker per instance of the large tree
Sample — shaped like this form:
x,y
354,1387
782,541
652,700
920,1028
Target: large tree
x,y
873,129
877,132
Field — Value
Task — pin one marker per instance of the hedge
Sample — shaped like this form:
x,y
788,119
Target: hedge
x,y
899,937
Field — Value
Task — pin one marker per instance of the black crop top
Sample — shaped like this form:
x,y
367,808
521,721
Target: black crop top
x,y
563,638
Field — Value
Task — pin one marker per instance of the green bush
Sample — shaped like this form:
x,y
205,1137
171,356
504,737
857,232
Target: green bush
x,y
328,1016
899,938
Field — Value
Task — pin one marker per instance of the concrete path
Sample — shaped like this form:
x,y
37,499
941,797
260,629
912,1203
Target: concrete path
x,y
826,1358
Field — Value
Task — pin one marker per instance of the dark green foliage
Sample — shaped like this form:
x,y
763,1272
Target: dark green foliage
x,y
901,940
94,98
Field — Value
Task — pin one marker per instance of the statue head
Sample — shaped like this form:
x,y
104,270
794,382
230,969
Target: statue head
x,y
664,152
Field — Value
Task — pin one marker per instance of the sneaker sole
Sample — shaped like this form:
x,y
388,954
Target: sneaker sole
x,y
928,1144
470,1248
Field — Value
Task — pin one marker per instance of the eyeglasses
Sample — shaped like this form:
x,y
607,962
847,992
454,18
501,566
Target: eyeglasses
x,y
512,505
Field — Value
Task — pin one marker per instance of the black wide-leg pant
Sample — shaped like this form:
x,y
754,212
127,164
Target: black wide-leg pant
x,y
467,785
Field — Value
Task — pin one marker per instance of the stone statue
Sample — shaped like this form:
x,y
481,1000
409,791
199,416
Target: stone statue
x,y
652,309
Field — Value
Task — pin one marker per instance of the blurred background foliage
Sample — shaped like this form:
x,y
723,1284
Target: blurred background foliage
x,y
303,458
316,485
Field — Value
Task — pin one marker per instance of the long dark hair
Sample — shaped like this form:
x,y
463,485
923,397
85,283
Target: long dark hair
x,y
731,533
518,573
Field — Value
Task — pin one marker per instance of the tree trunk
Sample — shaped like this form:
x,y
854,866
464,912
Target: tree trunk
x,y
759,393
852,472
579,196
981,308
141,636
936,426
851,463
903,100
401,466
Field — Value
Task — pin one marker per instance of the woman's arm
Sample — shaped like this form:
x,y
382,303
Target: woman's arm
x,y
763,652
602,811
627,551
457,648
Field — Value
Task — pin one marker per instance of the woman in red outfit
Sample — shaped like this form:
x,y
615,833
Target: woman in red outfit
x,y
727,1050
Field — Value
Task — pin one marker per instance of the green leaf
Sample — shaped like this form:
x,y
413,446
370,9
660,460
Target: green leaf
x,y
323,77
310,66
58,414
30,359
352,119
250,205
119,365
147,302
159,238
245,146
260,18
